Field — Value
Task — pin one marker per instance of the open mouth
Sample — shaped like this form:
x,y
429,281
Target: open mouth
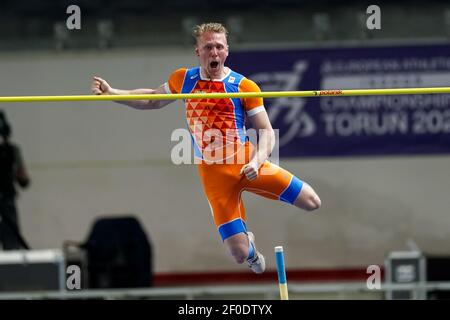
x,y
213,64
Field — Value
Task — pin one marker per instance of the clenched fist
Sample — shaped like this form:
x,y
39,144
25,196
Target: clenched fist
x,y
100,86
250,170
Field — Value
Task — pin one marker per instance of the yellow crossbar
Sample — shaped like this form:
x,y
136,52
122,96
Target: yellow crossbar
x,y
272,94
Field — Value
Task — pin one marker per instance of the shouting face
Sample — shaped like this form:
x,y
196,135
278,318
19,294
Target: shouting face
x,y
212,51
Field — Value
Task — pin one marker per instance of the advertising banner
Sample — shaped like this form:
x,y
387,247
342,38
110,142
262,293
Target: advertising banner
x,y
357,125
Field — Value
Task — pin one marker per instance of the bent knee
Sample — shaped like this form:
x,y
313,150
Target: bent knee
x,y
314,203
309,202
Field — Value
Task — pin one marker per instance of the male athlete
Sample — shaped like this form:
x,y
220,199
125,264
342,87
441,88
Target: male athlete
x,y
228,163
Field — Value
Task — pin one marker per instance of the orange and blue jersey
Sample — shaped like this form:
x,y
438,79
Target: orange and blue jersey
x,y
225,118
211,118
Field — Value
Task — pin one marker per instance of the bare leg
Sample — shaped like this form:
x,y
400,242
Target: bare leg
x,y
307,199
238,246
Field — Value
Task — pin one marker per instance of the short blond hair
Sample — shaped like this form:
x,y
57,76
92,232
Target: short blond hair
x,y
215,27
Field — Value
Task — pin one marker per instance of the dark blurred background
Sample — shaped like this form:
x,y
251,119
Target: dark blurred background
x,y
39,24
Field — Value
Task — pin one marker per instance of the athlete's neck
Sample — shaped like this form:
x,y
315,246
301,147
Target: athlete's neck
x,y
214,76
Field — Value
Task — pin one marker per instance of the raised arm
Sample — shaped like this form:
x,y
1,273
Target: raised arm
x,y
99,86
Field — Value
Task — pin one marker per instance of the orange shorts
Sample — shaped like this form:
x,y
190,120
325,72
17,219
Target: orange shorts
x,y
223,186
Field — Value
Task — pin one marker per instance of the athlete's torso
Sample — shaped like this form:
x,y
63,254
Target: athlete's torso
x,y
217,126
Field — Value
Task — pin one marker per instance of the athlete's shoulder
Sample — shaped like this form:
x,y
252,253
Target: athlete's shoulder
x,y
177,78
238,76
248,85
233,78
252,105
183,72
178,72
193,73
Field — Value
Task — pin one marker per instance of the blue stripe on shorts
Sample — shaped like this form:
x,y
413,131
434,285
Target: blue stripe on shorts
x,y
231,228
293,190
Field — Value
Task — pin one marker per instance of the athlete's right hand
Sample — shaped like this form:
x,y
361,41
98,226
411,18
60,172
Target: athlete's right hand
x,y
100,86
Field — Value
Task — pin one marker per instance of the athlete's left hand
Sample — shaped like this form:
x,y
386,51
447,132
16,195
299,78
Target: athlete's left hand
x,y
250,170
